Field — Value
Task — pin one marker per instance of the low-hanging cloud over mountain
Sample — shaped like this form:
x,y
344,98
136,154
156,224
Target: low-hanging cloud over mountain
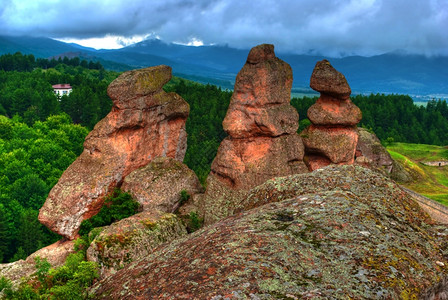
x,y
331,27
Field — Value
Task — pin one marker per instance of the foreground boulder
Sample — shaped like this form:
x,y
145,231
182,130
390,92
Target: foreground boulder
x,y
262,141
145,123
339,232
332,137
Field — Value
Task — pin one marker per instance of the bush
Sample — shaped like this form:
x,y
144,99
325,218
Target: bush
x,y
194,222
69,281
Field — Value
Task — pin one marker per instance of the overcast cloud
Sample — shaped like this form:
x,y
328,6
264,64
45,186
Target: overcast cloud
x,y
330,27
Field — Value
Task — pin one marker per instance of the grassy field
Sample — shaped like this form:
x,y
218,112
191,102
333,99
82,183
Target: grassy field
x,y
431,182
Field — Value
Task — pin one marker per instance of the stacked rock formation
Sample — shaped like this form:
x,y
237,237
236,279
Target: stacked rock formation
x,y
332,137
145,123
262,141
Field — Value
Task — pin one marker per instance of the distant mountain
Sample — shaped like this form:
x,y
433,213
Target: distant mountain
x,y
387,73
38,46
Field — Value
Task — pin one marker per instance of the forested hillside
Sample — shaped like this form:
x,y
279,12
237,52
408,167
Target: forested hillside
x,y
32,158
25,85
39,138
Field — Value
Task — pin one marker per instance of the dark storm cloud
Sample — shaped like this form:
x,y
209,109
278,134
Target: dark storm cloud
x,y
321,26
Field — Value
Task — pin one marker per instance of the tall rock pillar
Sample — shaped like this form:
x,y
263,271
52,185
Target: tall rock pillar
x,y
262,142
332,137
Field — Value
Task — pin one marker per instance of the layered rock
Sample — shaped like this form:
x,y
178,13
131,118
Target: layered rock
x,y
145,123
332,137
262,142
158,185
131,239
342,231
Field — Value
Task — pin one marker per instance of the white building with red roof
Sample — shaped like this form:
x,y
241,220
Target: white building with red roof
x,y
62,89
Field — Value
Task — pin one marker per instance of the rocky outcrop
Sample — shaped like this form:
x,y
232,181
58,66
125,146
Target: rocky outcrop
x,y
55,254
332,137
371,153
262,142
145,123
342,231
158,185
131,239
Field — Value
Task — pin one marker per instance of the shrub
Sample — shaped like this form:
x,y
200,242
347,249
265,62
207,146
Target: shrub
x,y
194,222
117,206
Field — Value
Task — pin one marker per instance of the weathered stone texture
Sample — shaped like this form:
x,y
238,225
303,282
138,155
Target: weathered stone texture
x,y
327,80
330,111
243,163
338,144
343,231
370,152
145,123
55,254
260,104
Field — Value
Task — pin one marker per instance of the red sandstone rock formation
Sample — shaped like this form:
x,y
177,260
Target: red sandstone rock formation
x,y
332,137
145,123
262,141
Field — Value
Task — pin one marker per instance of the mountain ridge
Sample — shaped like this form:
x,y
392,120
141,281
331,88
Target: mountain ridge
x,y
388,73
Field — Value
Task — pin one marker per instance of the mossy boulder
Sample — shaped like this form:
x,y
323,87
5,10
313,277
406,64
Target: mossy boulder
x,y
351,234
132,238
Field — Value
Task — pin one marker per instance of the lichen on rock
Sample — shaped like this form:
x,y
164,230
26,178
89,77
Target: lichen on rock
x,y
133,238
158,185
351,233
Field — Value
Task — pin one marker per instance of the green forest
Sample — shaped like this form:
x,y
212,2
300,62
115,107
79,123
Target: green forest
x,y
25,85
41,135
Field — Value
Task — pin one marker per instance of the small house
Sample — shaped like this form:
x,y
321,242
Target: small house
x,y
62,89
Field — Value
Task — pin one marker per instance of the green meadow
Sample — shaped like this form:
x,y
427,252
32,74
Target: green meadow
x,y
430,181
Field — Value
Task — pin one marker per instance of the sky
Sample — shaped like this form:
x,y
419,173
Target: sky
x,y
327,27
